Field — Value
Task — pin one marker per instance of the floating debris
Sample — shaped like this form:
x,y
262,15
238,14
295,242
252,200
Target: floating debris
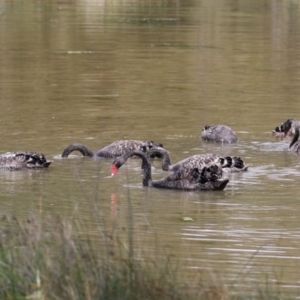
x,y
80,52
187,219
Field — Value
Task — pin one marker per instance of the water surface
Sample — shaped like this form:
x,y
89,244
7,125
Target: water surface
x,y
94,72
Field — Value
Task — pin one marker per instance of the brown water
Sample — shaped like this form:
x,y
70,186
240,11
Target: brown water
x,y
98,71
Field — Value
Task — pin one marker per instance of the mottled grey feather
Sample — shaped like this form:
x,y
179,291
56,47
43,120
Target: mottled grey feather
x,y
113,150
23,160
229,164
218,134
191,180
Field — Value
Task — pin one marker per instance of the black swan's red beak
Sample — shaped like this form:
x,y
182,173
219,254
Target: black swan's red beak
x,y
114,170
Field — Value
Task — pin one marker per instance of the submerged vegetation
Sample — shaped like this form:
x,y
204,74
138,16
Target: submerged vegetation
x,y
51,258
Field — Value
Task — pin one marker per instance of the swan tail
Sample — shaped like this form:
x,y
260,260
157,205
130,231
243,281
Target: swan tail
x,y
31,160
39,161
233,164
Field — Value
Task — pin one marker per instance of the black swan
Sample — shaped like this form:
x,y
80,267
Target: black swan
x,y
23,160
113,150
218,134
295,143
291,124
228,164
209,178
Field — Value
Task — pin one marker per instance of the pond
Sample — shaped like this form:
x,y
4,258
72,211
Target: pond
x,y
94,72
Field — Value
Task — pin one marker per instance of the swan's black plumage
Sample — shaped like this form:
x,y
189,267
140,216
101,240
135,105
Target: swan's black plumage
x,y
281,130
193,179
295,143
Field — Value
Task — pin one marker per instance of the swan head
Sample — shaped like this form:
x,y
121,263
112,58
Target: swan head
x,y
286,126
279,129
206,127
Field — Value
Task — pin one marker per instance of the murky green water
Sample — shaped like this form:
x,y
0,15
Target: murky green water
x,y
98,71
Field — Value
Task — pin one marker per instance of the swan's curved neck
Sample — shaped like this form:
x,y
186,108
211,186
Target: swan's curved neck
x,y
166,160
77,147
147,180
296,137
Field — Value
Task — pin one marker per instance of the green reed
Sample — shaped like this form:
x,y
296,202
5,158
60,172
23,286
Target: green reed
x,y
52,258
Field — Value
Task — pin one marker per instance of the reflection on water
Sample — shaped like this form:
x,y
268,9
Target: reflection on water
x,y
94,72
